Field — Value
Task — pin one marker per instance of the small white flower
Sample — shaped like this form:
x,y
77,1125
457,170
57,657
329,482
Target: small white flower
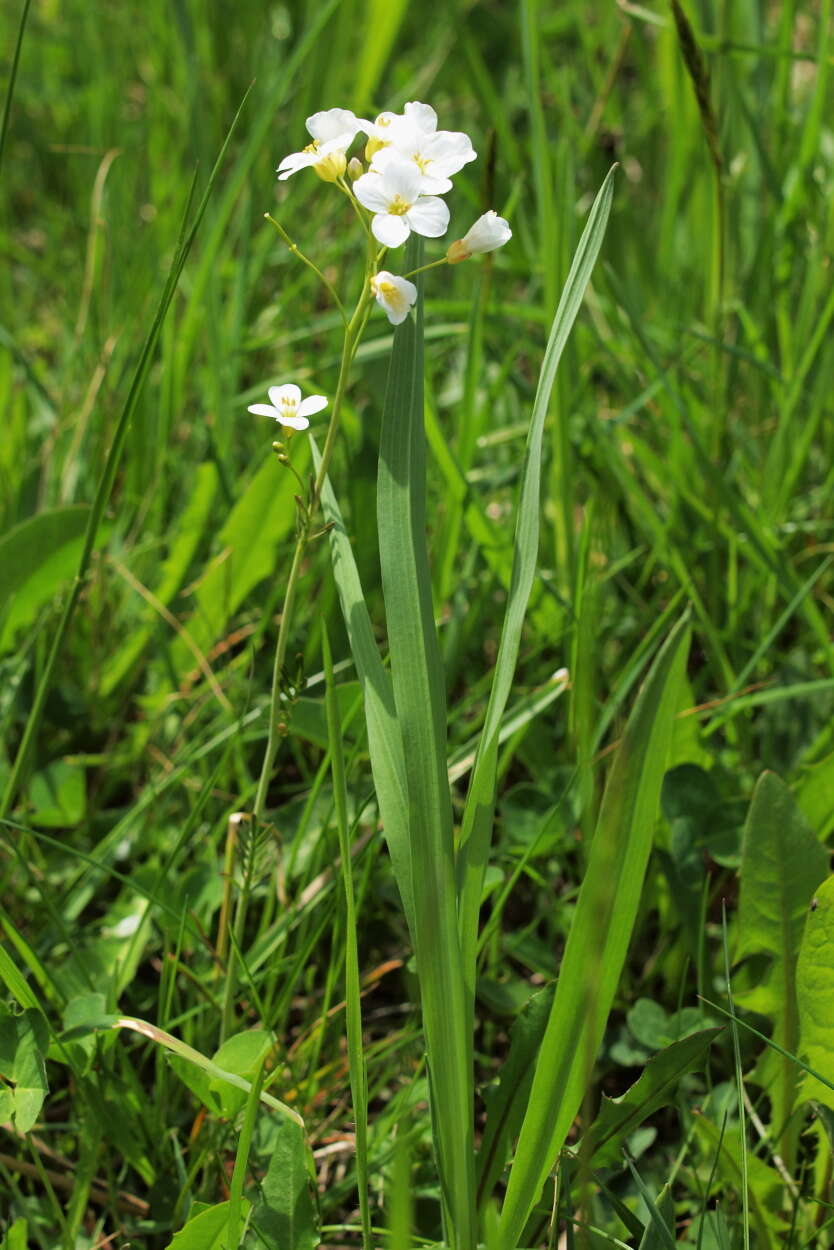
x,y
332,131
437,156
394,196
414,134
488,233
396,296
287,407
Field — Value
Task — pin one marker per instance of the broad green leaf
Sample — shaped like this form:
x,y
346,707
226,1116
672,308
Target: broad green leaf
x,y
58,796
476,829
241,1055
619,1117
384,737
247,548
815,994
287,1216
188,531
17,1236
37,558
419,698
23,1041
598,940
206,1231
782,863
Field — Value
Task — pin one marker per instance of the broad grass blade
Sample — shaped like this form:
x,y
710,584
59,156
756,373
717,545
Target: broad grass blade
x,y
384,738
419,697
600,933
476,831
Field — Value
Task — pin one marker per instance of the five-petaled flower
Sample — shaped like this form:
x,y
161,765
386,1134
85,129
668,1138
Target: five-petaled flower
x,y
394,197
288,408
395,295
488,233
332,131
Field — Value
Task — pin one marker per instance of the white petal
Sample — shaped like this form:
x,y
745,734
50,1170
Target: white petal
x,y
488,233
295,423
295,161
390,230
264,410
291,392
370,191
422,115
429,217
332,123
449,143
401,178
432,185
313,403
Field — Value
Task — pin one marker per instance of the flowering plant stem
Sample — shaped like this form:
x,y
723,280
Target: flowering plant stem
x,y
353,333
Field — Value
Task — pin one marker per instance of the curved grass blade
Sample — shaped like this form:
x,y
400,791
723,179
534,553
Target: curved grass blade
x,y
419,698
599,936
476,831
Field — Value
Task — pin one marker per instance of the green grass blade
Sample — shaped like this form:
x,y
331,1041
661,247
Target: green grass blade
x,y
600,933
476,829
7,106
419,696
353,993
384,738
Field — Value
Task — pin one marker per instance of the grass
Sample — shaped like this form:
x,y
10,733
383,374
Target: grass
x,y
686,461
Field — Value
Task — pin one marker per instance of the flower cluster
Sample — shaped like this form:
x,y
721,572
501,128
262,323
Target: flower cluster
x,y
408,167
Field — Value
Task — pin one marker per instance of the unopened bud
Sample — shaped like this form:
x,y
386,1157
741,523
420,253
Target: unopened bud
x,y
372,147
458,252
331,168
355,168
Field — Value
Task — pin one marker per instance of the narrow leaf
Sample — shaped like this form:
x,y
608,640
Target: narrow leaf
x,y
476,830
600,933
419,698
384,738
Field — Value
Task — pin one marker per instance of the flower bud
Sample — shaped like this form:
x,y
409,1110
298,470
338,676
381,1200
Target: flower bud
x,y
355,168
488,233
331,168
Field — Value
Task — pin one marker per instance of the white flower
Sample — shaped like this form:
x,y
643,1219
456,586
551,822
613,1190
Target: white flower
x,y
414,134
333,131
488,233
435,155
396,296
287,407
393,195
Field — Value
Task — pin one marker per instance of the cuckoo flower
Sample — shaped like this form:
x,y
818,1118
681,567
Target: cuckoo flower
x,y
333,131
395,198
288,408
396,296
488,233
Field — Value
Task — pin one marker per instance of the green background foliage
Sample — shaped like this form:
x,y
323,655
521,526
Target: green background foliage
x,y
686,460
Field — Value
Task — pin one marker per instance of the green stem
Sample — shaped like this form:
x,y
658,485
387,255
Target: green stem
x,y
353,331
432,265
296,251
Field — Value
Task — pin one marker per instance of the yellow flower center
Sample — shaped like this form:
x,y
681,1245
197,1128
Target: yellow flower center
x,y
386,288
312,147
398,206
422,162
